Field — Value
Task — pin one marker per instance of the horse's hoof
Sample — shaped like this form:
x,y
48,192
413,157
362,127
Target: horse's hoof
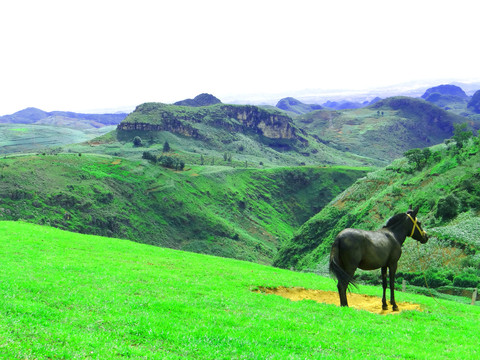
x,y
384,307
395,308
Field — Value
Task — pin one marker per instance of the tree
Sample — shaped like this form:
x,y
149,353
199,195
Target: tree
x,y
137,141
416,158
461,134
166,147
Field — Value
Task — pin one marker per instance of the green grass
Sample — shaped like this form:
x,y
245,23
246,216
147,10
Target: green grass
x,y
71,296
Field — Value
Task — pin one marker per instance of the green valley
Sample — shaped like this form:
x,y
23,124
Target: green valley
x,y
243,213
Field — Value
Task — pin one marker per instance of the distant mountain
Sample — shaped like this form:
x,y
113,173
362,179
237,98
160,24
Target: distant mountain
x,y
345,104
474,103
199,100
296,106
448,97
62,118
383,131
445,90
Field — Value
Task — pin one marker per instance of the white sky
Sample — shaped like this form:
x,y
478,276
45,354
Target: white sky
x,y
85,55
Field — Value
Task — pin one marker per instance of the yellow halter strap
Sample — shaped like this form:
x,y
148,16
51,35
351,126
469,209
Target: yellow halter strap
x,y
415,225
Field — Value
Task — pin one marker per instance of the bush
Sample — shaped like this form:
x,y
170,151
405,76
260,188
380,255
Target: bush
x,y
467,279
447,207
137,141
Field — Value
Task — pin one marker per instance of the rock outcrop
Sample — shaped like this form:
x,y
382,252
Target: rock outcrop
x,y
270,125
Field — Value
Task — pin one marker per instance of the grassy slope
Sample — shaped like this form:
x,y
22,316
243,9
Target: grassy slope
x,y
371,201
66,295
383,131
242,213
30,138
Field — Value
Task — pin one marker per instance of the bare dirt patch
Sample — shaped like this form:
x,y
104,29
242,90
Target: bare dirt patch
x,y
372,304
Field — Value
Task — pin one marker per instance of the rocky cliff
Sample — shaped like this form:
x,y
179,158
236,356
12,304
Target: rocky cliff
x,y
191,121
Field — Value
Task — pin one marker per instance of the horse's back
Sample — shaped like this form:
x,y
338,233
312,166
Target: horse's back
x,y
366,249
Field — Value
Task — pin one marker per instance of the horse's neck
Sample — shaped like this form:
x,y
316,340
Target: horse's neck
x,y
399,233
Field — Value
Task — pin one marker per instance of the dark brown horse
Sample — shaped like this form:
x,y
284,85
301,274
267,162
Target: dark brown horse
x,y
370,250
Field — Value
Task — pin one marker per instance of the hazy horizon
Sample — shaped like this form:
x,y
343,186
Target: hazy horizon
x,y
105,54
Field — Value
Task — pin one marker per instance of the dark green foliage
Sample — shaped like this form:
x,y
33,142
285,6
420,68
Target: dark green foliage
x,y
149,156
171,162
166,147
447,207
417,158
469,279
432,277
137,141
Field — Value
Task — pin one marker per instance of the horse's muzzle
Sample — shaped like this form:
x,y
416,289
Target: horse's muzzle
x,y
424,238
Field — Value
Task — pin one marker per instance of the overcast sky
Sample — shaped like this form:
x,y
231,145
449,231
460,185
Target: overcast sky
x,y
86,55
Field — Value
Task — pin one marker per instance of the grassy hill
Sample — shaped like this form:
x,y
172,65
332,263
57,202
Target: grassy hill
x,y
237,212
25,138
446,186
70,296
383,131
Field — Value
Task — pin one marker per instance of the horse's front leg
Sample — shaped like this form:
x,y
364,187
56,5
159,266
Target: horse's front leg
x,y
384,284
392,270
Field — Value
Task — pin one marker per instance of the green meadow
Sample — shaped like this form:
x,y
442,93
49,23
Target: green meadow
x,y
71,296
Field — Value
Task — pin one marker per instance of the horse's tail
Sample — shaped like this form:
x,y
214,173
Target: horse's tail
x,y
336,269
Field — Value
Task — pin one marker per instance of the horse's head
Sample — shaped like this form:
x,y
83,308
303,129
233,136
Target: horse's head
x,y
417,232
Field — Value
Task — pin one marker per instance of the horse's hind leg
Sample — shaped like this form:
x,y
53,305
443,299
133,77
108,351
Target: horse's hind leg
x,y
384,285
342,291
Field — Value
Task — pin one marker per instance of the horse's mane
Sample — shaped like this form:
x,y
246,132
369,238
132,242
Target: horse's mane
x,y
394,219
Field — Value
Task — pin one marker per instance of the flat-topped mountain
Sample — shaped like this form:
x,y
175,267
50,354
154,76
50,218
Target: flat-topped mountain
x,y
190,121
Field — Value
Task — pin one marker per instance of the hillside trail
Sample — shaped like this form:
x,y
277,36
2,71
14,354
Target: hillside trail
x,y
372,304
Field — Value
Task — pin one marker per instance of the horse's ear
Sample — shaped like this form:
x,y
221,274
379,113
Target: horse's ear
x,y
415,212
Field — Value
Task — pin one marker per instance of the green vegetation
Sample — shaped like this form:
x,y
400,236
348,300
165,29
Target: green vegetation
x,y
446,187
241,212
256,134
383,131
70,296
